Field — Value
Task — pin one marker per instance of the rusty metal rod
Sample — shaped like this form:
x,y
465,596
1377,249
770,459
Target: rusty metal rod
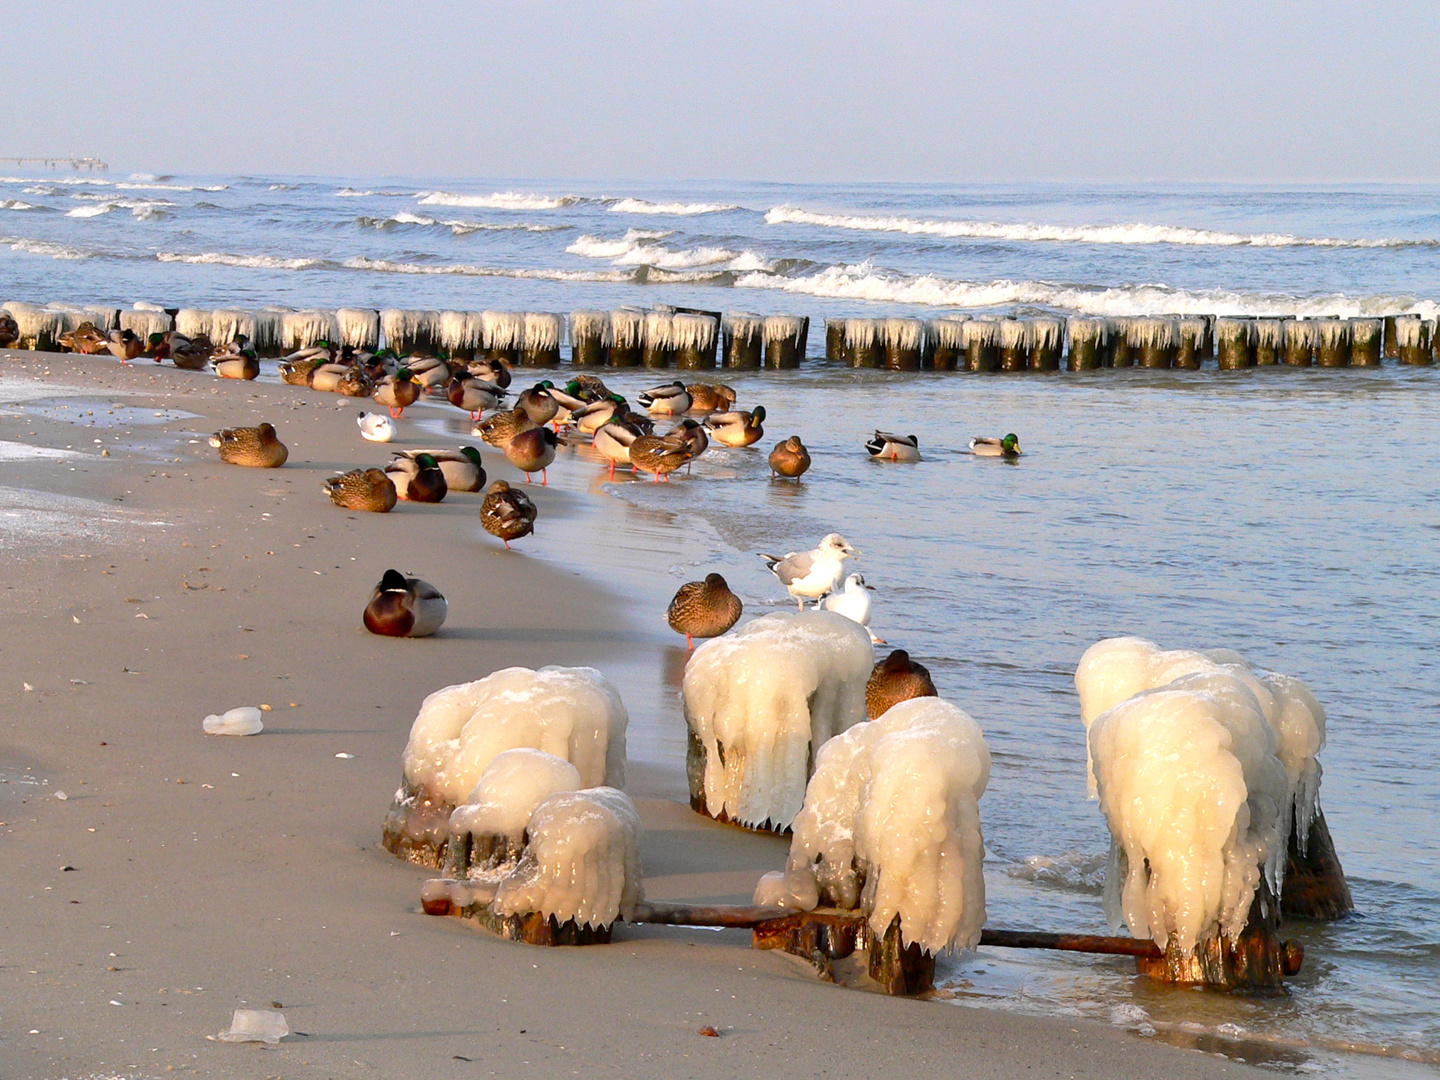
x,y
1089,943
740,916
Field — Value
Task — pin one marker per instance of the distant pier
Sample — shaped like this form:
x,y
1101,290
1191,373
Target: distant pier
x,y
79,164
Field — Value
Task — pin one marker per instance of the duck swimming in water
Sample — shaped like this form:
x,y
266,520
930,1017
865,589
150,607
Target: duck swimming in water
x,y
1008,447
887,447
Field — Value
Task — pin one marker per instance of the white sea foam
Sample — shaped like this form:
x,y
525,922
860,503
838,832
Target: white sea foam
x,y
466,270
44,247
351,193
644,206
1132,233
459,227
864,281
250,262
141,209
638,247
16,204
500,200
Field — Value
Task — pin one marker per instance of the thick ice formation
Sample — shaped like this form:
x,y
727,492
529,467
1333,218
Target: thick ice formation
x,y
242,721
573,713
763,699
512,785
582,862
891,826
1194,796
1118,668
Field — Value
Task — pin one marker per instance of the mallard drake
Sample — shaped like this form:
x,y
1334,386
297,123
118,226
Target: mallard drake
x,y
710,397
1008,447
405,607
397,391
320,352
738,428
671,399
640,420
499,428
612,442
473,395
417,479
657,455
592,417
375,427
532,451
124,345
851,600
428,371
703,609
887,447
363,489
790,458
257,447
327,377
506,513
811,574
191,354
236,361
570,401
462,468
895,679
491,371
537,403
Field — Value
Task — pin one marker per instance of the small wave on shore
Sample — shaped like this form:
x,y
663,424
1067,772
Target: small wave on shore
x,y
500,200
640,247
645,206
1023,232
459,227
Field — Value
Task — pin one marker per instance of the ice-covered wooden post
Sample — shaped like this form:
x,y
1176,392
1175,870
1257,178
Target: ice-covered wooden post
x,y
1269,342
1365,342
589,338
359,328
502,334
1191,350
1047,344
743,339
1087,344
904,344
659,340
947,342
785,337
1300,341
697,334
982,345
1155,341
886,853
1412,339
409,332
1014,344
1234,343
865,343
760,701
627,337
1332,343
541,338
1122,350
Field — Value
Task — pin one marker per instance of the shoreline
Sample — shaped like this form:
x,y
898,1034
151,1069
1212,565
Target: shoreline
x,y
270,884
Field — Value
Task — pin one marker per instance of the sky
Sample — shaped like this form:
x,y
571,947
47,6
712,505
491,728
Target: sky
x,y
1204,90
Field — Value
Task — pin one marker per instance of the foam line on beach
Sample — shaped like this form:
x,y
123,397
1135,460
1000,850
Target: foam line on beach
x,y
1030,232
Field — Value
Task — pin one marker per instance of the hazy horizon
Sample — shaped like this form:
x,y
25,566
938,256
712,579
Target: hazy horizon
x,y
1081,92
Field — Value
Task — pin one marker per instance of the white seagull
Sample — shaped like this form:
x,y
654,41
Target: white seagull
x,y
814,573
376,427
852,600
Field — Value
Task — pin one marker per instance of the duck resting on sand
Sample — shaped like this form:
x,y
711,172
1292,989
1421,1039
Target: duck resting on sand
x,y
887,447
362,489
461,468
506,513
405,607
703,609
417,479
812,574
258,447
236,361
895,679
1008,447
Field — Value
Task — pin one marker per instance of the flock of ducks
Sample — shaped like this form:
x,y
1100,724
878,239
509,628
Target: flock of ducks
x,y
542,418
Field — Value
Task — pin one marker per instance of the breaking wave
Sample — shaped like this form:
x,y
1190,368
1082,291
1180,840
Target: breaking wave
x,y
863,281
644,206
141,209
249,262
351,193
16,204
1078,234
44,247
638,247
500,200
458,227
465,270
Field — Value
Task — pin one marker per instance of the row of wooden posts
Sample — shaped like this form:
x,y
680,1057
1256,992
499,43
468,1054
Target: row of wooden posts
x,y
694,339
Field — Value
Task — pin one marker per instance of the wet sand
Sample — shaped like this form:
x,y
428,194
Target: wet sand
x,y
185,876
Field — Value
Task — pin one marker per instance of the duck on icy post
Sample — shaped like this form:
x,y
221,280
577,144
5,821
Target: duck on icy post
x,y
760,702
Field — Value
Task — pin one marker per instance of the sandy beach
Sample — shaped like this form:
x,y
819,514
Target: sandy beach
x,y
183,876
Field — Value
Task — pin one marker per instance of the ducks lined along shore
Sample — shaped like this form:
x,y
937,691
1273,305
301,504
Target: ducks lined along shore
x,y
703,609
404,607
258,447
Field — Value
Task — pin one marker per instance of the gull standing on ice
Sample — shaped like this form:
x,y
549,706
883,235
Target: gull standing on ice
x,y
812,573
853,601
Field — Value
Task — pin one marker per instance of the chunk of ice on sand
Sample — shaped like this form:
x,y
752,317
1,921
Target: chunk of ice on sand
x,y
256,1025
242,721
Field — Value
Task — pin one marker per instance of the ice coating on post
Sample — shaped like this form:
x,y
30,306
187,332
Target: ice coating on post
x,y
582,863
891,826
36,325
761,700
573,713
405,331
459,330
143,322
268,325
590,325
192,322
229,324
509,790
543,330
1193,793
301,329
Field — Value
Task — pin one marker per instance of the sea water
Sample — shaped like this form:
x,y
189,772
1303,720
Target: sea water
x,y
1291,515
